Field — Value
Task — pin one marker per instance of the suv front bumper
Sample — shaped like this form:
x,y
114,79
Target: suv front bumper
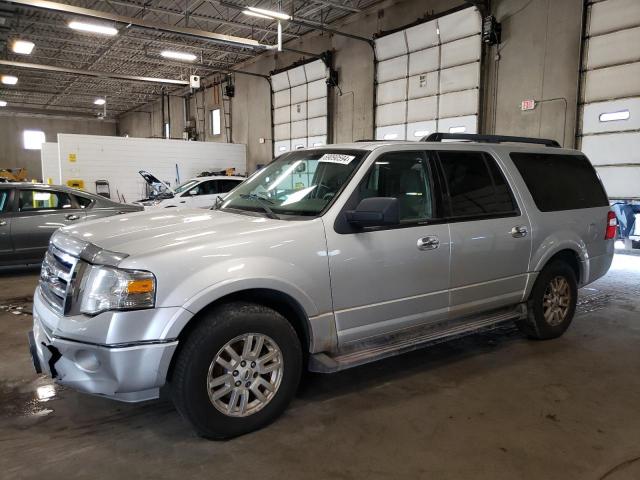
x,y
128,372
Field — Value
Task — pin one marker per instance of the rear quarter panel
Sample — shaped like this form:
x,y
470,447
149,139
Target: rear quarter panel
x,y
582,231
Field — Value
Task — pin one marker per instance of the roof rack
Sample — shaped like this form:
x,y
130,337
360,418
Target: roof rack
x,y
472,137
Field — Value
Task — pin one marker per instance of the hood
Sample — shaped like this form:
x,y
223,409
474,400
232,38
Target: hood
x,y
154,182
151,231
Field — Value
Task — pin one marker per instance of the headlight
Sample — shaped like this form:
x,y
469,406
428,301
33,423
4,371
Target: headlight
x,y
108,288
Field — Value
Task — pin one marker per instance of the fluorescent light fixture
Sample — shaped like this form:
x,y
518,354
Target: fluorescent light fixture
x,y
99,101
270,13
189,57
421,133
254,14
390,136
457,129
282,148
93,28
23,47
9,79
317,144
3,103
613,116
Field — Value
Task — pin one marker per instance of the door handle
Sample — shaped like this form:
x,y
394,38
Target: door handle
x,y
428,243
183,201
72,216
519,231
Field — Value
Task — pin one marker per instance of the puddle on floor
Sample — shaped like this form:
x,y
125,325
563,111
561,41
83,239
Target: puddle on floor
x,y
17,305
25,401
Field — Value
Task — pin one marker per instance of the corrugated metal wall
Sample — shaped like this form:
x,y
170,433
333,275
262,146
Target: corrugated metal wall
x,y
428,78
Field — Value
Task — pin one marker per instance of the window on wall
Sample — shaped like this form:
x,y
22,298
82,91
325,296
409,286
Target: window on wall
x,y
33,139
215,121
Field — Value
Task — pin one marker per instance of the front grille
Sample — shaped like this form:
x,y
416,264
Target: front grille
x,y
56,278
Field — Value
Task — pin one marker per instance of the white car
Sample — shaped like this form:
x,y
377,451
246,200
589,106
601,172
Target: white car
x,y
199,192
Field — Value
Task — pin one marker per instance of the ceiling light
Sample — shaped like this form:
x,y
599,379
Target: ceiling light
x,y
93,28
457,129
190,57
23,47
3,103
270,13
254,14
99,101
9,79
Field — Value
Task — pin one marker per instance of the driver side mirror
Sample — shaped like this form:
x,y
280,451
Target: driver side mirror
x,y
193,192
375,212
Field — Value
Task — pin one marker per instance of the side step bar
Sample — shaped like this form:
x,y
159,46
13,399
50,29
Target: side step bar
x,y
392,345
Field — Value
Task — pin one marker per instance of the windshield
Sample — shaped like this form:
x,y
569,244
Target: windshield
x,y
185,186
296,183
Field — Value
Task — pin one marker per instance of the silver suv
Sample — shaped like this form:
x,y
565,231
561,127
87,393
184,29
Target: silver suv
x,y
326,259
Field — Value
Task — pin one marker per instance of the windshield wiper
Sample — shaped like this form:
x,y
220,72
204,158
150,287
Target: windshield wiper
x,y
263,202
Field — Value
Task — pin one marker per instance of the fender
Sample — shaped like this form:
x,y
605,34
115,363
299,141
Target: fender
x,y
556,242
219,290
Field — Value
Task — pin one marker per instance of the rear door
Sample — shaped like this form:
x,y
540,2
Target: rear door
x,y
490,235
40,212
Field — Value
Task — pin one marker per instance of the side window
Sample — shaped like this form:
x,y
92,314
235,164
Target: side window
x,y
405,176
225,186
43,199
4,200
84,202
476,185
560,182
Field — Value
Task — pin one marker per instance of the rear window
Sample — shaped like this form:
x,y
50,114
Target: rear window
x,y
560,182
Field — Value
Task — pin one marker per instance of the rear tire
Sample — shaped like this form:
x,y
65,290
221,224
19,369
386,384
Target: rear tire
x,y
225,394
552,303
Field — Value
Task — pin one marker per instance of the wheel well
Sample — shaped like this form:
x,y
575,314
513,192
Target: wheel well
x,y
571,258
282,303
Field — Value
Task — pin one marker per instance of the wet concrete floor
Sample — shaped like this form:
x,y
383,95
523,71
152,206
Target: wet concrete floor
x,y
489,406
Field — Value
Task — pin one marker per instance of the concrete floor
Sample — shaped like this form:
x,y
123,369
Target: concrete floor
x,y
491,406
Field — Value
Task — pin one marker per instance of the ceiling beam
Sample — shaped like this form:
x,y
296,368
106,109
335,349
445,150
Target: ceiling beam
x,y
91,73
338,5
128,21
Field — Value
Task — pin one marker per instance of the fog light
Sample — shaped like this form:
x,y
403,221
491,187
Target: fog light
x,y
87,361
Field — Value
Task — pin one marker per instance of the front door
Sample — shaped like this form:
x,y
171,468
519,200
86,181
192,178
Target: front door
x,y
387,279
490,235
6,245
40,212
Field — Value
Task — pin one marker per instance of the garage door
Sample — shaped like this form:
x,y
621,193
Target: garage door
x,y
428,78
299,107
610,130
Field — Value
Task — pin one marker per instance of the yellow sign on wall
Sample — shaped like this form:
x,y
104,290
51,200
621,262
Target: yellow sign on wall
x,y
72,157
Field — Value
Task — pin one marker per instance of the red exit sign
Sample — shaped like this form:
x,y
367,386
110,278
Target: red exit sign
x,y
528,105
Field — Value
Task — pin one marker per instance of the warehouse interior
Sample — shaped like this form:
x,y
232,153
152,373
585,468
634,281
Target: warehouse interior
x,y
136,102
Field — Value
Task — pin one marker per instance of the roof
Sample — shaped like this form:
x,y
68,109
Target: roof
x,y
511,146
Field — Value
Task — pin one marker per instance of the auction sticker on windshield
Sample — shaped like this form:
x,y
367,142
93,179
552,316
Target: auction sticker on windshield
x,y
336,158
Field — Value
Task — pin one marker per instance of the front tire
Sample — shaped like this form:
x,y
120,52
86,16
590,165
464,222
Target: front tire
x,y
237,370
552,303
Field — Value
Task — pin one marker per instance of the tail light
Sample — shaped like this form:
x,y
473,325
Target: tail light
x,y
612,225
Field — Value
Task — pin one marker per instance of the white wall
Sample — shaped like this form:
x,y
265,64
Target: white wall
x,y
50,163
118,160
